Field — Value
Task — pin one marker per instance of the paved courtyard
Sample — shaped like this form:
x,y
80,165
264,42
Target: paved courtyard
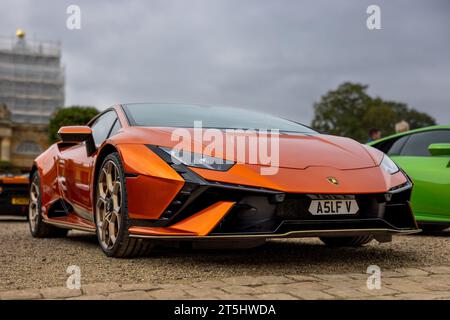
x,y
409,283
412,267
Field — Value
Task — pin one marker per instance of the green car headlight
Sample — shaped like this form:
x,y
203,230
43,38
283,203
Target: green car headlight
x,y
389,166
198,160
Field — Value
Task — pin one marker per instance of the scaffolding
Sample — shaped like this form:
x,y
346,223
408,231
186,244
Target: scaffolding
x,y
31,79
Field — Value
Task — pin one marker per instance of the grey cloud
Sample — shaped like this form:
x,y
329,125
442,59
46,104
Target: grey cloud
x,y
276,56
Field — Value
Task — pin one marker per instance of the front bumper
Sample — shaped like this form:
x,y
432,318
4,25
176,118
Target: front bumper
x,y
214,210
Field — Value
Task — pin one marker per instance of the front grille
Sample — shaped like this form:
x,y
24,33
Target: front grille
x,y
257,214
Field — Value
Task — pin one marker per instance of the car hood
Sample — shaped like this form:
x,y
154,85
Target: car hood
x,y
296,151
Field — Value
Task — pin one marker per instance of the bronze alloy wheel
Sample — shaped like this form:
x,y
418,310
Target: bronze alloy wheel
x,y
33,207
38,227
111,212
108,206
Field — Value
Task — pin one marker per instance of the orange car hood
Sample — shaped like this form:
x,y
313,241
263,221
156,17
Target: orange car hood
x,y
296,151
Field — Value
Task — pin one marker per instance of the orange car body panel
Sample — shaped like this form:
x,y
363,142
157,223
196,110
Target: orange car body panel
x,y
75,129
156,185
140,160
313,179
296,151
149,196
199,224
306,161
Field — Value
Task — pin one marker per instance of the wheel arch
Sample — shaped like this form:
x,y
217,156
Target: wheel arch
x,y
46,167
106,150
34,168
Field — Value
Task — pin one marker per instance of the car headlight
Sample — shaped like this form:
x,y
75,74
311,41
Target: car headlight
x,y
388,165
198,160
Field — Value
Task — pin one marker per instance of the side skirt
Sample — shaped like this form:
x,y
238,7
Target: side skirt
x,y
68,225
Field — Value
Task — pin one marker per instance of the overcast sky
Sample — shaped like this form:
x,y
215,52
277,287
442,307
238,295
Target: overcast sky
x,y
276,56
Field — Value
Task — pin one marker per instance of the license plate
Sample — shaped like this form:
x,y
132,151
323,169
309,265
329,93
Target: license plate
x,y
333,207
19,201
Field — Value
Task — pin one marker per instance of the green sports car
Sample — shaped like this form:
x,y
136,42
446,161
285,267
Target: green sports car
x,y
424,154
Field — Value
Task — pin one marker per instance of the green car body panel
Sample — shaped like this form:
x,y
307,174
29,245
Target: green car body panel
x,y
431,176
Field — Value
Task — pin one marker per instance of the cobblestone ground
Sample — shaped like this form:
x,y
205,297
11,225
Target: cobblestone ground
x,y
412,267
408,283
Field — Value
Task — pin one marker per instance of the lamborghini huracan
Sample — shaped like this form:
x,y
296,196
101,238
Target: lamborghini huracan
x,y
424,154
123,177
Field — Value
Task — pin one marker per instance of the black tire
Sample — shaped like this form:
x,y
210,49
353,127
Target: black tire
x,y
357,241
124,246
38,228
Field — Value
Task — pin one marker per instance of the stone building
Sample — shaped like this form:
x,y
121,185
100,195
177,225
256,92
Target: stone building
x,y
31,88
20,143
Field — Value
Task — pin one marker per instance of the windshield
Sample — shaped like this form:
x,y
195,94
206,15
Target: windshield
x,y
179,115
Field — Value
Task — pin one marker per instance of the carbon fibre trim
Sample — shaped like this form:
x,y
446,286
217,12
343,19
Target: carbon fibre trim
x,y
71,226
291,234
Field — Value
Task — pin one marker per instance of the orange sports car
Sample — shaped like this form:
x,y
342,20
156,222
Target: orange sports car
x,y
13,195
141,174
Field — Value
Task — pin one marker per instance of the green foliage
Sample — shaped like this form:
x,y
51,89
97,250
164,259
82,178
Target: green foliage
x,y
340,112
75,115
350,111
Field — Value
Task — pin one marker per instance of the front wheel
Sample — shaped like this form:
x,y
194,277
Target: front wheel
x,y
111,212
357,241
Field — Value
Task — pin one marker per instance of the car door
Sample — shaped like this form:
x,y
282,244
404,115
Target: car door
x,y
431,174
75,167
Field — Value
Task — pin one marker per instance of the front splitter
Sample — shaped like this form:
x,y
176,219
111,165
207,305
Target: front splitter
x,y
290,234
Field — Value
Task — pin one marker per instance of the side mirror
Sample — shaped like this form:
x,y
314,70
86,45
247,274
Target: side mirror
x,y
78,134
74,134
439,149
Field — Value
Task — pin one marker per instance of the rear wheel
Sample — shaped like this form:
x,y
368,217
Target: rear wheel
x,y
38,228
356,241
111,212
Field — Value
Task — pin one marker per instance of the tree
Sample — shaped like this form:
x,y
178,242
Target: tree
x,y
340,111
75,115
350,111
378,115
